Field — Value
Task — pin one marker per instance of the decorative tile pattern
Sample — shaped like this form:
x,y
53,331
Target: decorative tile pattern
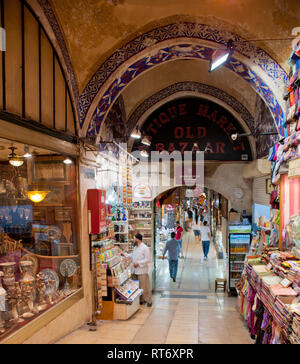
x,y
179,52
170,32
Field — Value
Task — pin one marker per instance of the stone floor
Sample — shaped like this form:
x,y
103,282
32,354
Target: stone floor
x,y
185,312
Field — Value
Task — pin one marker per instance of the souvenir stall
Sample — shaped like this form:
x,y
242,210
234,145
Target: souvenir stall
x,y
39,250
110,215
269,291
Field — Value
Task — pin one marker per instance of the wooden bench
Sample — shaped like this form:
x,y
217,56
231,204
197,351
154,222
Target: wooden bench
x,y
220,283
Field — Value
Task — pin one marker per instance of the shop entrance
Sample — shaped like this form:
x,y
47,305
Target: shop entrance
x,y
192,211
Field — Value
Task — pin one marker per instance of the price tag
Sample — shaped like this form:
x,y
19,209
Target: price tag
x,y
286,283
269,267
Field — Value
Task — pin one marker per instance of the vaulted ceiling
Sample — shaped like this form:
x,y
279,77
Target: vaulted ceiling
x,y
94,29
114,53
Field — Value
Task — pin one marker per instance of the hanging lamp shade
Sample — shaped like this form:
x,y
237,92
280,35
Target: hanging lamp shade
x,y
37,196
14,159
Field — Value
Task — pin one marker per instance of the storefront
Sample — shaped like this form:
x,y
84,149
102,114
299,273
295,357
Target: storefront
x,y
270,285
40,251
42,268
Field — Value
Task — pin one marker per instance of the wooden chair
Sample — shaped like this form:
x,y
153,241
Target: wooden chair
x,y
220,283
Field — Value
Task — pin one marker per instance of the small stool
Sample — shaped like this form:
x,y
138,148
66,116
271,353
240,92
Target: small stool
x,y
220,283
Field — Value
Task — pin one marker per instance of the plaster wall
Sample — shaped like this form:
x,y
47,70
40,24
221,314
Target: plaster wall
x,y
223,178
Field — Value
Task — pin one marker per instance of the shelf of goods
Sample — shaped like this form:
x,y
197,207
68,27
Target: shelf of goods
x,y
121,230
266,235
161,239
119,294
269,297
141,221
239,244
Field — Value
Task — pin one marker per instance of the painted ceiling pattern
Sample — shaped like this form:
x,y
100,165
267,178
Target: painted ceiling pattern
x,y
168,32
167,54
171,32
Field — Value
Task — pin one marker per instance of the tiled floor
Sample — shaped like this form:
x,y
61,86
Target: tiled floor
x,y
196,315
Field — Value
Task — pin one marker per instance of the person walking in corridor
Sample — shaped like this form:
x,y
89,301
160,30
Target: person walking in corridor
x,y
178,237
206,239
141,260
173,249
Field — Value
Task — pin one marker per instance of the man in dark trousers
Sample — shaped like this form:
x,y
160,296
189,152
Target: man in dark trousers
x,y
173,249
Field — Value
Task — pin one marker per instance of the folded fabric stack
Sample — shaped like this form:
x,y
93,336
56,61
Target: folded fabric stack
x,y
266,296
282,313
260,272
255,261
279,290
295,331
251,275
294,273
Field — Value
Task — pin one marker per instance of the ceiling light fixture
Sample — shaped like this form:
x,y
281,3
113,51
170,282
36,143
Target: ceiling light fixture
x,y
14,159
221,56
146,141
27,153
68,161
144,154
136,134
37,196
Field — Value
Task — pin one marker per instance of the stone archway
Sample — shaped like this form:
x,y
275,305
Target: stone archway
x,y
178,41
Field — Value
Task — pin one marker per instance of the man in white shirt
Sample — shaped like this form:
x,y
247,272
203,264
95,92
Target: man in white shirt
x,y
206,239
141,260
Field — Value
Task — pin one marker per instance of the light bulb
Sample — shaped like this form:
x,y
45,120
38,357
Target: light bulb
x,y
68,161
144,154
16,162
37,196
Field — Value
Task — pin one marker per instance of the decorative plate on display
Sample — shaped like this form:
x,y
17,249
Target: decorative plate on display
x,y
34,260
51,275
68,268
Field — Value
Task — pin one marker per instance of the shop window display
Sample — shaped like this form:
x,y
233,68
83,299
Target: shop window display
x,y
39,257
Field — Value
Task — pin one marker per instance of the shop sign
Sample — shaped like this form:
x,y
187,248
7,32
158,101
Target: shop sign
x,y
89,173
194,124
189,193
142,191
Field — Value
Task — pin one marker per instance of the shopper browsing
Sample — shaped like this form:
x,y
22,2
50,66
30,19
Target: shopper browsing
x,y
179,231
206,239
141,260
173,249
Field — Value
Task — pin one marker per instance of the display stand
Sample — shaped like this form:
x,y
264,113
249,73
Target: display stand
x,y
239,244
141,220
114,282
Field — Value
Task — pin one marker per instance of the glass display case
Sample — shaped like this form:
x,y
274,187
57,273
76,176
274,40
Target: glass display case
x,y
39,255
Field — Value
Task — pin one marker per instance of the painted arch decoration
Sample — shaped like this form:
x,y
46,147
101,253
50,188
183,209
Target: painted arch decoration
x,y
268,79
